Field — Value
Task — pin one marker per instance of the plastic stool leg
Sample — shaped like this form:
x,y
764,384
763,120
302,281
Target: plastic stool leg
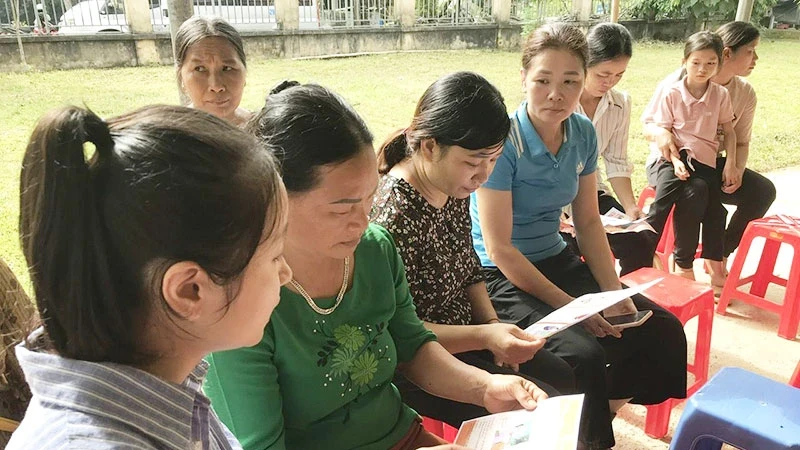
x,y
766,265
790,316
702,351
656,423
795,380
708,443
732,283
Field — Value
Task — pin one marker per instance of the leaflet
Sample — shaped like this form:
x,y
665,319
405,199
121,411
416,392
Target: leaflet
x,y
581,308
553,425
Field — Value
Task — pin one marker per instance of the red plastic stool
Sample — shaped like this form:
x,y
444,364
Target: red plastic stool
x,y
685,299
776,230
667,242
440,429
795,380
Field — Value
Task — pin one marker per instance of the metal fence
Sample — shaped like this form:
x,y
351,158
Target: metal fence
x,y
453,12
356,13
539,11
64,16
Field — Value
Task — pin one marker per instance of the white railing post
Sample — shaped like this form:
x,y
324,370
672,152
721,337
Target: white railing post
x,y
405,11
137,12
501,11
287,14
744,10
582,9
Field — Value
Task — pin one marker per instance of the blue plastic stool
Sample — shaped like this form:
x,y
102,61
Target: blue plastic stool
x,y
742,409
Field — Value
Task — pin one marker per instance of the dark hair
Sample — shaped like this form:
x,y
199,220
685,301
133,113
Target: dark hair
x,y
608,41
461,108
555,36
703,40
308,126
165,184
198,28
737,34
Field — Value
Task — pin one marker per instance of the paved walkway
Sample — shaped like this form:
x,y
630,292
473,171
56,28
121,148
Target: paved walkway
x,y
746,337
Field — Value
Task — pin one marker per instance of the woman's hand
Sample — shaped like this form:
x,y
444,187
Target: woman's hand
x,y
680,170
509,344
509,392
634,212
597,326
731,177
667,143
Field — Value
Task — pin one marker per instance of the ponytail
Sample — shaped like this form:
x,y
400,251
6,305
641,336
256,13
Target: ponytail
x,y
63,237
165,184
393,150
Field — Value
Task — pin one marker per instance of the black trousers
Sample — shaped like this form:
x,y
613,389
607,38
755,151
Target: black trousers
x,y
752,200
633,250
697,200
648,364
552,374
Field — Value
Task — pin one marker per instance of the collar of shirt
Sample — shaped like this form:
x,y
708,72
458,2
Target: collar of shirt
x,y
534,143
687,97
174,416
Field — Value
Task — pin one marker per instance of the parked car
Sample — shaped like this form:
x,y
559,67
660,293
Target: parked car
x,y
102,16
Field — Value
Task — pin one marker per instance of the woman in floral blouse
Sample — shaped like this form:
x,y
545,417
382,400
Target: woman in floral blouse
x,y
429,170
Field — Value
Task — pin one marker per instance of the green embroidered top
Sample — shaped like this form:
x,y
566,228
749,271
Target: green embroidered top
x,y
319,381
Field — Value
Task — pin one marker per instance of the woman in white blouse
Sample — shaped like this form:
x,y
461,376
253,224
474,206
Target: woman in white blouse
x,y
610,50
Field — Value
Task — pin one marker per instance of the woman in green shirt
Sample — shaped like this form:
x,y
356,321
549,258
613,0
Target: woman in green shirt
x,y
321,377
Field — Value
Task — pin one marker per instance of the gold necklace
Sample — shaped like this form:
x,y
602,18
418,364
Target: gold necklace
x,y
339,297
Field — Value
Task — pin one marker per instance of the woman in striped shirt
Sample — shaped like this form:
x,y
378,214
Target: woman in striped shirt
x,y
165,245
610,51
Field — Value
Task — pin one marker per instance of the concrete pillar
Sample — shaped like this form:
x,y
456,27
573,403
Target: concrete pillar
x,y
501,11
582,9
287,14
614,11
137,12
405,12
744,10
179,11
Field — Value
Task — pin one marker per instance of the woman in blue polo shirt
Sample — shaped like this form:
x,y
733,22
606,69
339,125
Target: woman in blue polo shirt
x,y
549,161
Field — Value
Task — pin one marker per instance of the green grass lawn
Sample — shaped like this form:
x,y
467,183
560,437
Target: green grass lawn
x,y
384,89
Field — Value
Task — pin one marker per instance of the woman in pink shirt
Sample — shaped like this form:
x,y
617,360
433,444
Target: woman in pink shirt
x,y
692,109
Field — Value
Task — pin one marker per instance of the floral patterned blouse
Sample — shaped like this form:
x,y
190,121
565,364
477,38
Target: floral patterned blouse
x,y
436,247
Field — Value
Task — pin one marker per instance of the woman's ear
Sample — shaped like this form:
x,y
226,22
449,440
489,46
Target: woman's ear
x,y
522,78
428,148
187,289
727,54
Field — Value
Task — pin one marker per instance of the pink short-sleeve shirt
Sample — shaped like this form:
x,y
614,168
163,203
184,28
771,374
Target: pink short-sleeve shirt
x,y
694,121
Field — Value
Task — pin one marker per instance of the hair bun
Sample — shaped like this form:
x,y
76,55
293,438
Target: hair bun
x,y
283,85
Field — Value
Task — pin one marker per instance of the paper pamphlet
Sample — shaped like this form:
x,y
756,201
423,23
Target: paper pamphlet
x,y
553,425
614,221
581,308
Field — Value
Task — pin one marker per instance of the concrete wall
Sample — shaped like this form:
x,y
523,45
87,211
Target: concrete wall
x,y
121,50
125,50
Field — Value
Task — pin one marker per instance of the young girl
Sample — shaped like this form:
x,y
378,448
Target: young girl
x,y
165,245
692,109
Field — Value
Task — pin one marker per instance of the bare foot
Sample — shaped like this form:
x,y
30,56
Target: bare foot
x,y
685,273
716,271
708,270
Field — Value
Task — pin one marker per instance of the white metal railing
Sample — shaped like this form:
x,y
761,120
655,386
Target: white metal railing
x,y
357,13
453,12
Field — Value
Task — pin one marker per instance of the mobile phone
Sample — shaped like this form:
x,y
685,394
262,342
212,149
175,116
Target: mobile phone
x,y
629,320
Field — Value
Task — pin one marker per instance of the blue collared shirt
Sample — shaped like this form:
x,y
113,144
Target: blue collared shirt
x,y
88,405
541,183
